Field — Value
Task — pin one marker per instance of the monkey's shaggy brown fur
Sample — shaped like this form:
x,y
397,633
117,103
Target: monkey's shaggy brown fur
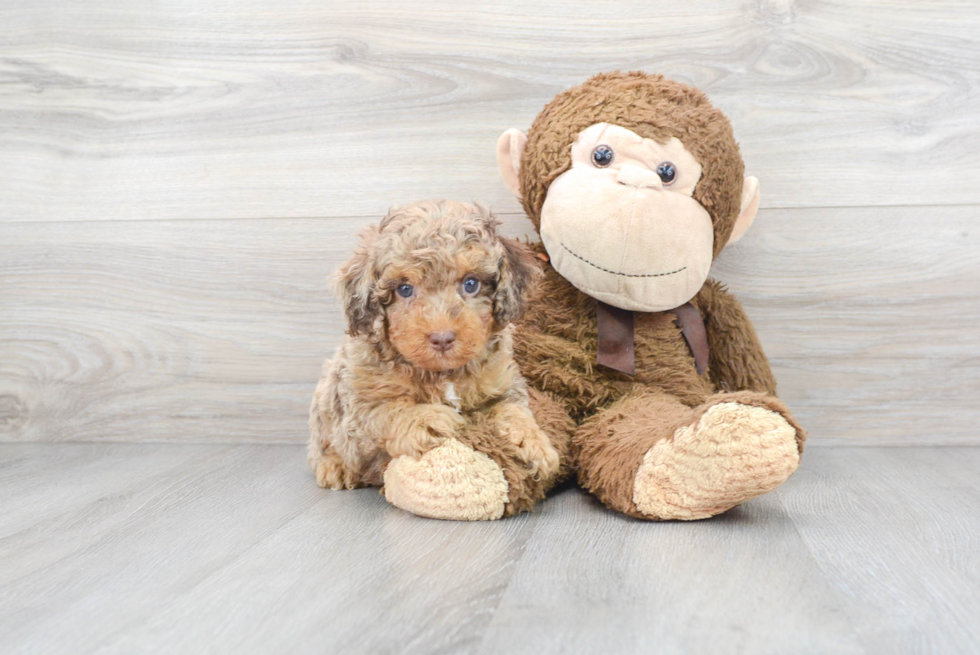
x,y
619,417
390,393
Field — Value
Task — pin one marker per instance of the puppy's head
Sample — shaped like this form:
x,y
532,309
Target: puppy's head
x,y
435,281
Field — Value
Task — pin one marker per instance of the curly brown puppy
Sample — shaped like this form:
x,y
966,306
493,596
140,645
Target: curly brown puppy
x,y
423,396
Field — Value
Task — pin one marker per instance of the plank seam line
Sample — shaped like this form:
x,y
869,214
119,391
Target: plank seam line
x,y
368,217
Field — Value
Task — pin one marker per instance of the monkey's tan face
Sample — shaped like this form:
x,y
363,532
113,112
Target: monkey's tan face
x,y
621,224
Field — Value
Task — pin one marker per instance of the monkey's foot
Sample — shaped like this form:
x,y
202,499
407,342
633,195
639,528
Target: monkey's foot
x,y
734,452
452,481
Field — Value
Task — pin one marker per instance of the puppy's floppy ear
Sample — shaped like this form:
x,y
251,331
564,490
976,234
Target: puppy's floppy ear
x,y
355,285
517,271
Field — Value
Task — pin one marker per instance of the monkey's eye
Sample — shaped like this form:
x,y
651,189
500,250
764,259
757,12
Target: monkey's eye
x,y
667,172
602,156
405,290
471,285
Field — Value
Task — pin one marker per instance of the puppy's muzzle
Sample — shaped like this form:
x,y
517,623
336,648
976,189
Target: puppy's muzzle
x,y
442,341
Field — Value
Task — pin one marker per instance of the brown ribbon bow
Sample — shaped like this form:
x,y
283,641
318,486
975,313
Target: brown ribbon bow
x,y
616,347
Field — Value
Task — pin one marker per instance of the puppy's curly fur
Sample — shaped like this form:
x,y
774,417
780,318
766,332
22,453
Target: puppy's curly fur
x,y
429,295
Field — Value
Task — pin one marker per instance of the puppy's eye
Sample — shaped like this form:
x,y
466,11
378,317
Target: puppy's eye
x,y
471,285
667,172
405,290
602,156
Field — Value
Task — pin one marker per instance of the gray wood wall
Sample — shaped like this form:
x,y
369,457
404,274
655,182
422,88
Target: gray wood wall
x,y
178,178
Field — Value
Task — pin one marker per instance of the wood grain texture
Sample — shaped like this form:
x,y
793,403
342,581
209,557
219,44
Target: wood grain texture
x,y
741,583
265,108
897,532
234,549
215,330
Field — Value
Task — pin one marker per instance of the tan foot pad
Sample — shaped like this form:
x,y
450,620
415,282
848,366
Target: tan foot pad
x,y
452,481
733,453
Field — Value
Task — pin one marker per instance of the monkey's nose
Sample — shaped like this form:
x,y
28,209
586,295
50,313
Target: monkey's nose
x,y
442,341
638,176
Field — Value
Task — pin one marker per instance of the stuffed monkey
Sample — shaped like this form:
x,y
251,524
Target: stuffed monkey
x,y
649,371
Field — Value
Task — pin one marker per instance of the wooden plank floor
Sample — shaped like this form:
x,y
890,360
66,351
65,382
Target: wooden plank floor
x,y
122,548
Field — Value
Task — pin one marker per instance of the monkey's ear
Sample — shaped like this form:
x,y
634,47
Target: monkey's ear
x,y
354,285
748,209
517,271
510,147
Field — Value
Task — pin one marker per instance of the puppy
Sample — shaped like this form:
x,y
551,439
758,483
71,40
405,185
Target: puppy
x,y
429,295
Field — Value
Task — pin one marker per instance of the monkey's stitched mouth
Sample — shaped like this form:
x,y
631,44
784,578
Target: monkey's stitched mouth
x,y
606,270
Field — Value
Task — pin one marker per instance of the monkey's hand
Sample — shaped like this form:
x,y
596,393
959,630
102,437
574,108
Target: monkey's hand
x,y
416,430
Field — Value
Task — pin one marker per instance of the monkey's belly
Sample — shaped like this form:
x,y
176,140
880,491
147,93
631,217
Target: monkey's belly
x,y
663,361
557,352
568,368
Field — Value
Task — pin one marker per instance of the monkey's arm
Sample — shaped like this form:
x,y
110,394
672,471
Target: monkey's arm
x,y
555,346
737,361
567,370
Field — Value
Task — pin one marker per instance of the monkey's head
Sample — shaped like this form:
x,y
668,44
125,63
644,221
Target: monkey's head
x,y
635,184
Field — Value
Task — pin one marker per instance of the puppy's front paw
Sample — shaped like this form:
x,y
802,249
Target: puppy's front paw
x,y
427,427
533,446
539,455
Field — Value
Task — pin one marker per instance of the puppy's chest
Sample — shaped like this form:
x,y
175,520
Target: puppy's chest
x,y
462,395
449,396
475,389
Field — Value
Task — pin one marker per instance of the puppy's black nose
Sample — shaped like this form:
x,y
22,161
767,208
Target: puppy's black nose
x,y
442,340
